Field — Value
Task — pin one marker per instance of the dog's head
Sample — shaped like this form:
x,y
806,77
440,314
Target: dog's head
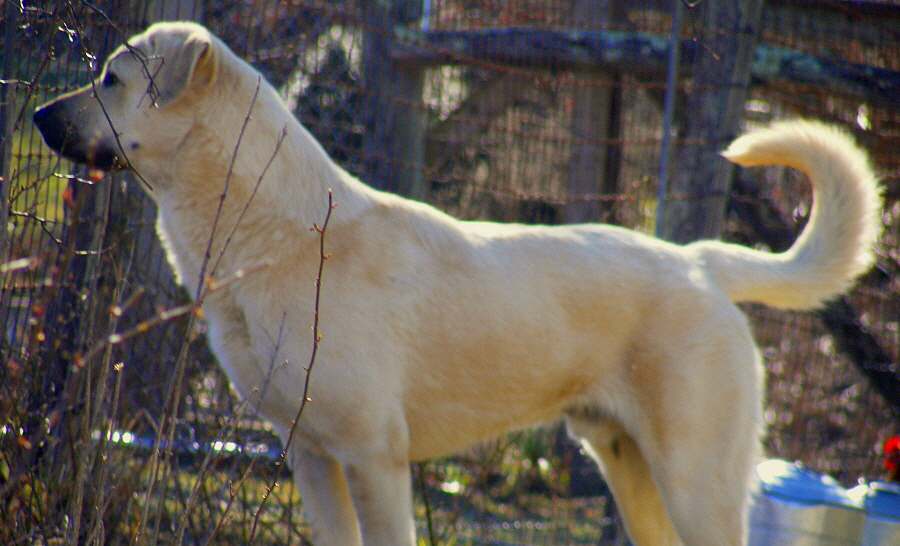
x,y
113,122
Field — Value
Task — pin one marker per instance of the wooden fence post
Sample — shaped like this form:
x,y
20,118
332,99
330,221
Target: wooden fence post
x,y
393,147
7,113
698,191
596,119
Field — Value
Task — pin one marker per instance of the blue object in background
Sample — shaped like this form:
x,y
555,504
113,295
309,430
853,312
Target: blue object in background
x,y
881,503
796,506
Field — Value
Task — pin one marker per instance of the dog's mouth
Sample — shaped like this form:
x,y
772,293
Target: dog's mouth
x,y
104,160
99,160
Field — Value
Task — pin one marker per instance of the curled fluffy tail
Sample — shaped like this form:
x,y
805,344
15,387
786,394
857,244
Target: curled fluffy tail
x,y
837,243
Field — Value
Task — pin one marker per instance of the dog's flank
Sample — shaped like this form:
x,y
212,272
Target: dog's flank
x,y
440,333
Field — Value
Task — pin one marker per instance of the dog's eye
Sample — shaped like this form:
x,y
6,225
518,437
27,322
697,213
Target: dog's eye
x,y
109,79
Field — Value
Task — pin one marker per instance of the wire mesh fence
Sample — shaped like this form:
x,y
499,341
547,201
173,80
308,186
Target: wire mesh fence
x,y
509,111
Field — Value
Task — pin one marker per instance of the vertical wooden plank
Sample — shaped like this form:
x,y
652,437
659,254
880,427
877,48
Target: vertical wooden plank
x,y
7,94
393,146
699,185
180,10
591,123
596,119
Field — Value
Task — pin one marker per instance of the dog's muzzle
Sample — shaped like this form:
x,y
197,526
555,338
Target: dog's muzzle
x,y
63,136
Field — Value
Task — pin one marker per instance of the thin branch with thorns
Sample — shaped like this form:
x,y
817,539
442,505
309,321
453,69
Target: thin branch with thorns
x,y
317,337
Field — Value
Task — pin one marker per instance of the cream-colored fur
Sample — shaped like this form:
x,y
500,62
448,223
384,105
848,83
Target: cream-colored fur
x,y
438,333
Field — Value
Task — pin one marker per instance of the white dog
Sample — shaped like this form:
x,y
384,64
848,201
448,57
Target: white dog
x,y
439,333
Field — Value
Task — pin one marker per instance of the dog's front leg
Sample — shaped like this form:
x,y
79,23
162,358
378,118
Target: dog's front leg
x,y
326,498
380,485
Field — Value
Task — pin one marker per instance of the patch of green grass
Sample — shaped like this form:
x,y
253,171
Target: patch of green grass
x,y
38,178
512,491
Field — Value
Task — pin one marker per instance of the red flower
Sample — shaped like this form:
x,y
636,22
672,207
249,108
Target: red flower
x,y
892,455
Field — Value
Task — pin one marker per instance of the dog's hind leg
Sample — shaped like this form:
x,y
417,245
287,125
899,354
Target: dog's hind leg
x,y
628,476
701,479
326,498
700,433
655,500
703,469
682,463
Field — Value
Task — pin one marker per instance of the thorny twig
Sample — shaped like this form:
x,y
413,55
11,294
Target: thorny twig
x,y
205,285
207,256
317,337
244,210
207,460
232,493
163,316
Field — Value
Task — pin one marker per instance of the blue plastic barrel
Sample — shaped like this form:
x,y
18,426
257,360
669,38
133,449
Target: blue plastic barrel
x,y
881,503
796,506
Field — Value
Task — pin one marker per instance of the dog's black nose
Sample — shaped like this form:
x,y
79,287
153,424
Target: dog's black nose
x,y
42,120
46,118
60,131
41,115
57,133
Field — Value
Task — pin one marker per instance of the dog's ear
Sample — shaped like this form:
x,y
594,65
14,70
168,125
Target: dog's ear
x,y
191,65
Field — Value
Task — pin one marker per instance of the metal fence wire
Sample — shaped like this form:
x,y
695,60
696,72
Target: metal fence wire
x,y
524,111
